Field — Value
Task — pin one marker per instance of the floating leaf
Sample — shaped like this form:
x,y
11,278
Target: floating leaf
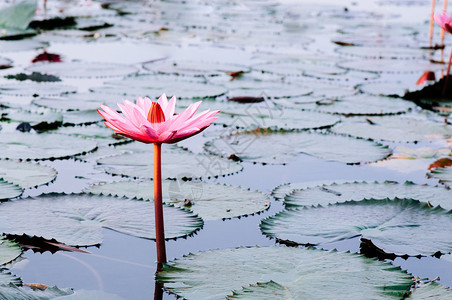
x,y
444,175
390,66
8,278
27,146
16,292
103,135
363,105
334,193
78,219
282,190
265,290
35,89
390,128
18,15
209,201
83,69
396,226
153,86
26,175
391,89
193,68
9,251
315,274
40,121
383,52
174,164
9,190
19,46
280,148
431,290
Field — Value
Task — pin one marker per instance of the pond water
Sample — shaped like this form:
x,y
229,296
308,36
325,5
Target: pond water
x,y
290,55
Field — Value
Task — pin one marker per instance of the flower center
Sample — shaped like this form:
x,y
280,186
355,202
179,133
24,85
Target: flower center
x,y
156,114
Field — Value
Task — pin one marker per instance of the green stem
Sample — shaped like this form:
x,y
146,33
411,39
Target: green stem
x,y
158,206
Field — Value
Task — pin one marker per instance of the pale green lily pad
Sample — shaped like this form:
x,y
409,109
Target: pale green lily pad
x,y
315,274
86,117
300,68
383,52
253,116
30,146
393,128
83,69
396,226
282,190
9,251
78,101
103,135
280,148
40,120
444,175
193,68
334,193
23,45
390,66
265,290
391,89
174,164
9,190
431,290
209,201
153,86
15,292
18,15
363,105
35,89
78,219
26,175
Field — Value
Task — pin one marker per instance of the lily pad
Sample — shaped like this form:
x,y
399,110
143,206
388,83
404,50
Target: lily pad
x,y
390,66
280,148
18,46
391,89
18,15
193,68
265,290
16,292
363,105
78,219
334,193
389,128
99,133
28,146
83,69
9,251
209,201
77,101
35,89
431,290
8,278
315,274
26,175
40,120
444,175
383,52
396,226
9,190
153,86
174,164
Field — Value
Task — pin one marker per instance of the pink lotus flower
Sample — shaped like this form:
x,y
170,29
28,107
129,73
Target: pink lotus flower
x,y
444,21
155,122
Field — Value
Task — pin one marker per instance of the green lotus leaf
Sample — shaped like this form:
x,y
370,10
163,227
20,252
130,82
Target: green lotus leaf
x,y
18,15
209,201
193,68
265,290
396,226
431,290
383,52
389,65
83,69
78,219
334,193
9,190
27,146
310,273
280,148
175,164
103,135
282,190
32,89
26,175
14,292
21,45
393,128
9,251
392,89
444,175
8,278
40,120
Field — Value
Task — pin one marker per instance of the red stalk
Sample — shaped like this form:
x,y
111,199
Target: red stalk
x,y
447,74
431,23
158,206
